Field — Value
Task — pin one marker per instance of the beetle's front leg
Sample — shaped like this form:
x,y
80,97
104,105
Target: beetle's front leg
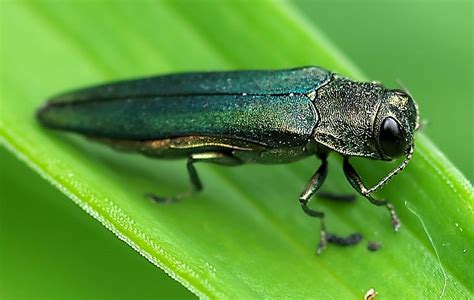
x,y
311,187
356,182
196,185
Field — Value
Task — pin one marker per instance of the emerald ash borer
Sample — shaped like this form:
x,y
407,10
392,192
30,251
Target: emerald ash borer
x,y
237,117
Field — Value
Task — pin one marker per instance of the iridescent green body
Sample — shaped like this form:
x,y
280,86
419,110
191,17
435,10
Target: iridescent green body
x,y
257,116
236,117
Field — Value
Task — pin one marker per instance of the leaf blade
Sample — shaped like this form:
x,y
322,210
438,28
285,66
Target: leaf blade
x,y
93,176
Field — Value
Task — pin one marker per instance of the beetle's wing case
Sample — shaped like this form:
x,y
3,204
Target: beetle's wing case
x,y
269,108
256,82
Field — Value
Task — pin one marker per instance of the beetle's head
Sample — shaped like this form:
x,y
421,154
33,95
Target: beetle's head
x,y
365,119
395,124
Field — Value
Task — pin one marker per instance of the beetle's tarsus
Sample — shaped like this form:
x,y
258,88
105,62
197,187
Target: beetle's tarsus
x,y
352,239
163,200
327,237
337,197
323,241
396,224
193,178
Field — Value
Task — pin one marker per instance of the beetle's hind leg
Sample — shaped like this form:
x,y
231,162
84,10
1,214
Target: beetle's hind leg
x,y
358,185
196,185
311,188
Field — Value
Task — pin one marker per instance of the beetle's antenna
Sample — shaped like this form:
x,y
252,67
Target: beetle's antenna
x,y
443,290
390,175
404,88
423,124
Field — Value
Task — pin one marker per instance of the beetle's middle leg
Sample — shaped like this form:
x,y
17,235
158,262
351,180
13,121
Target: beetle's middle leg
x,y
358,185
196,185
311,188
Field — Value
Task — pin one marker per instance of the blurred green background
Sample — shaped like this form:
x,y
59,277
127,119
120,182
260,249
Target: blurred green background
x,y
428,45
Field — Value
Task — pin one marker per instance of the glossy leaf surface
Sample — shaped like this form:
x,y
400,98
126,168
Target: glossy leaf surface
x,y
245,236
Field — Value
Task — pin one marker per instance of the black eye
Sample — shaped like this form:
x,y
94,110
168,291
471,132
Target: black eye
x,y
392,138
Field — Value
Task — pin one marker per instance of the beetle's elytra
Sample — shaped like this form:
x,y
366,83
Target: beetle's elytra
x,y
237,117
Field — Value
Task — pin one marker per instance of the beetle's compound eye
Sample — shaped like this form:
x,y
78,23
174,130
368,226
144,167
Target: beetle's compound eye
x,y
392,138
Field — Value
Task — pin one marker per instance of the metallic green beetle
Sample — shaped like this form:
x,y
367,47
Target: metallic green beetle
x,y
231,118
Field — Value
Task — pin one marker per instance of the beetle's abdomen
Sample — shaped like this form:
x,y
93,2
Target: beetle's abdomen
x,y
270,120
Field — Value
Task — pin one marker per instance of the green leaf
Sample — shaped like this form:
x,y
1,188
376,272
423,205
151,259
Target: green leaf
x,y
68,255
244,236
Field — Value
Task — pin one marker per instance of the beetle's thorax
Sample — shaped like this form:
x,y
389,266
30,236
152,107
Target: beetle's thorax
x,y
347,110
